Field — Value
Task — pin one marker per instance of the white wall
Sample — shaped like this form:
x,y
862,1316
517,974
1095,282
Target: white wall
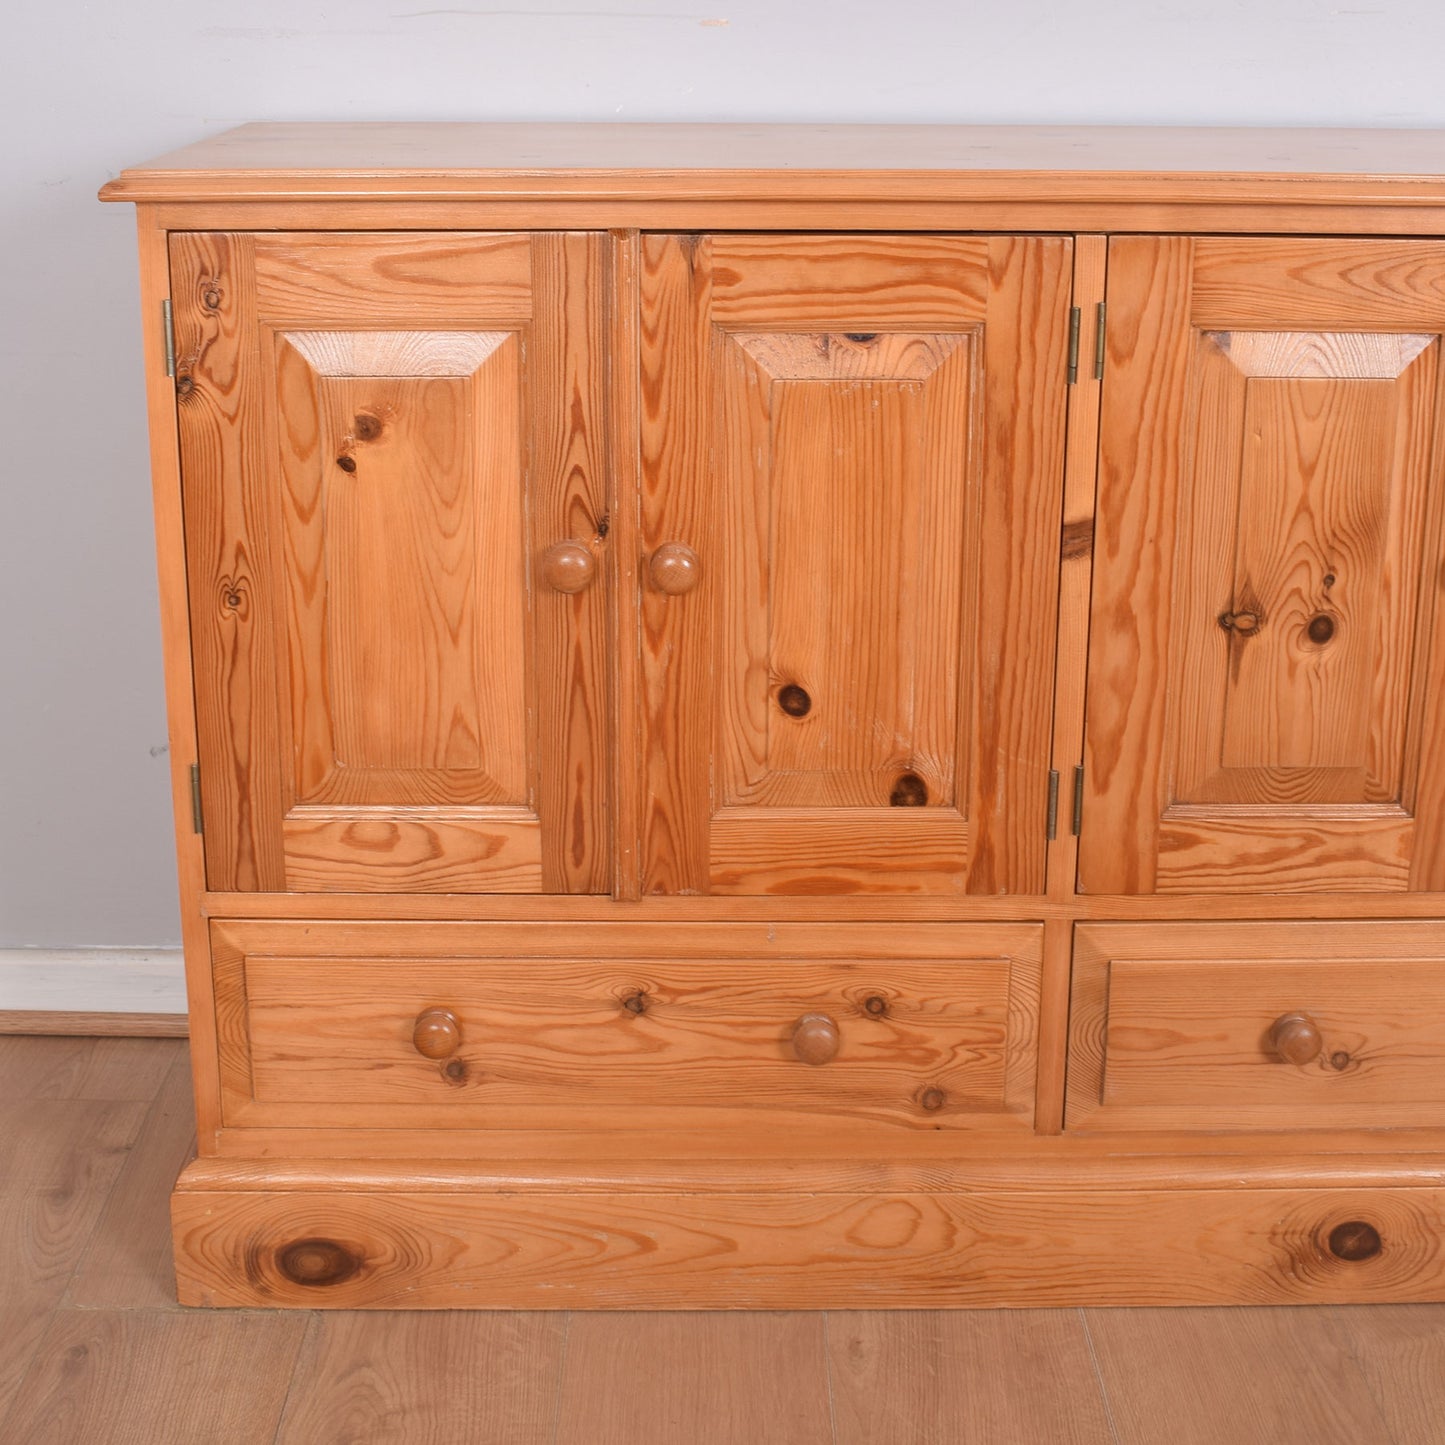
x,y
85,854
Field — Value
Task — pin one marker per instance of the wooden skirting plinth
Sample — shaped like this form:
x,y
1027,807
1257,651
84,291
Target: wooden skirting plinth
x,y
361,1242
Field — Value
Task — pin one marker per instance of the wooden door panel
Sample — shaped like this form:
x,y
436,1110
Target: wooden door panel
x,y
1262,642
409,422
405,562
854,698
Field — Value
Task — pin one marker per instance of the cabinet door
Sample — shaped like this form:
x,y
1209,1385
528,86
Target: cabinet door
x,y
1265,657
381,437
851,473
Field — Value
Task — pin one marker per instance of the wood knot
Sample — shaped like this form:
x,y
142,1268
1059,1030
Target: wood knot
x,y
932,1100
636,1002
910,791
454,1071
861,338
1340,1060
1355,1240
794,700
1242,624
185,383
233,596
317,1262
347,464
1321,628
211,296
875,1005
366,427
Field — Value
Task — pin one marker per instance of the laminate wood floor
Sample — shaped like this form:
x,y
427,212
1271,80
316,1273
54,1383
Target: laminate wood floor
x,y
94,1351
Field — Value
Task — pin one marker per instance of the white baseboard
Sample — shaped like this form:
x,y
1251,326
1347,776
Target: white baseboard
x,y
92,980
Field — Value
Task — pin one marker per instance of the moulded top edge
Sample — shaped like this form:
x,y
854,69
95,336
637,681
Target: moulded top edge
x,y
409,160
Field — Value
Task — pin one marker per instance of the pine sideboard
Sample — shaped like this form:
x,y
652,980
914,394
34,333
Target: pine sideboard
x,y
804,716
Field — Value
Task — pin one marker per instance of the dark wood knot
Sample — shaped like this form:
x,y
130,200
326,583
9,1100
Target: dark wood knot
x,y
861,337
794,700
1340,1060
1321,628
365,427
454,1071
211,297
875,1005
317,1262
636,1002
932,1100
1242,624
185,383
347,464
910,791
1355,1240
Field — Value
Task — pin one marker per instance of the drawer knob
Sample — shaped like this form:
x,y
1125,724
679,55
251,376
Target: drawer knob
x,y
815,1038
437,1034
674,569
1296,1038
568,566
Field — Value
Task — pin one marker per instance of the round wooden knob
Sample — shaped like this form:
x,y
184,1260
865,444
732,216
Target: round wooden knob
x,y
815,1038
674,569
437,1034
568,566
1296,1038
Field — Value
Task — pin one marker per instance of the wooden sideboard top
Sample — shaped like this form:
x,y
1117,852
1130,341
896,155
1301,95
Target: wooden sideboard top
x,y
639,162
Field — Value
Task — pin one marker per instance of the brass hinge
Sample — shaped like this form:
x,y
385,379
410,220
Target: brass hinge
x,y
1099,342
168,331
1078,821
1075,320
1053,825
196,821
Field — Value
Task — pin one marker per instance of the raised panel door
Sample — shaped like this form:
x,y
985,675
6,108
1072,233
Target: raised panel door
x,y
1265,662
854,445
381,436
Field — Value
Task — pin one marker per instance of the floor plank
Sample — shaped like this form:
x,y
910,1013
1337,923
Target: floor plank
x,y
84,1068
58,1163
140,1377
128,1264
925,1377
1400,1350
665,1379
1246,1376
429,1378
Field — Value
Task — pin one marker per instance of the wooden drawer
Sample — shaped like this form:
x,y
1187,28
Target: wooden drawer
x,y
1230,1026
627,1027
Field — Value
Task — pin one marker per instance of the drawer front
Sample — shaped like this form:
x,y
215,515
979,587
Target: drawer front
x,y
626,1027
1234,1026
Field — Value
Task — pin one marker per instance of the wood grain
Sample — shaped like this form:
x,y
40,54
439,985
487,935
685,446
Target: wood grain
x,y
571,634
875,534
1256,1377
520,1249
796,164
129,1377
1400,1351
1171,1025
672,1377
1259,626
903,1377
232,586
660,1043
127,1264
129,1069
488,1379
68,1023
58,1162
381,280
